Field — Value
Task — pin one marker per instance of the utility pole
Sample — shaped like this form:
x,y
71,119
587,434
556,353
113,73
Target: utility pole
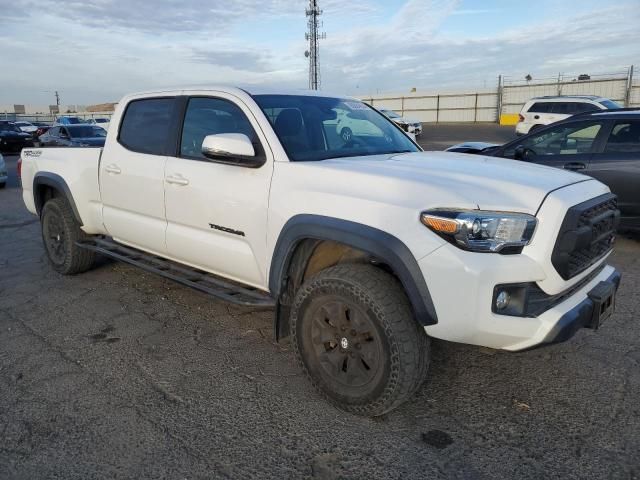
x,y
57,99
313,12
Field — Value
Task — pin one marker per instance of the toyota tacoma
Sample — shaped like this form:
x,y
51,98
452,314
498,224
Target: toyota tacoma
x,y
365,246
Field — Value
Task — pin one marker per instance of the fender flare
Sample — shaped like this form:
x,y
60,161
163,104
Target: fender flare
x,y
380,244
55,181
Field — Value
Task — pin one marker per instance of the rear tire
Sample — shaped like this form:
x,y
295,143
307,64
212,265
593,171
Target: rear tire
x,y
534,128
60,232
355,337
2,185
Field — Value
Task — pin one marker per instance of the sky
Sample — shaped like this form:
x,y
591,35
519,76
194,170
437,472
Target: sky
x,y
95,51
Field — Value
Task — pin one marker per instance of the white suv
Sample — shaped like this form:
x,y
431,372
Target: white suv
x,y
540,111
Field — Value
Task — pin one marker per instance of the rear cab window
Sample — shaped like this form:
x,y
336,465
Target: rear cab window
x,y
145,125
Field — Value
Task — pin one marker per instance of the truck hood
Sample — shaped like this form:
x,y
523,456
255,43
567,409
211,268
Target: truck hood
x,y
443,179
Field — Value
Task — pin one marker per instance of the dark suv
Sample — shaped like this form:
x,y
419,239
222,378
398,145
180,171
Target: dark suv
x,y
604,145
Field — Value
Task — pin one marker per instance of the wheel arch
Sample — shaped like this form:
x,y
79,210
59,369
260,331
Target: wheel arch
x,y
302,234
47,185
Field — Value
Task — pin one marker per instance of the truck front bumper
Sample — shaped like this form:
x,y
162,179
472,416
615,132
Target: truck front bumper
x,y
463,287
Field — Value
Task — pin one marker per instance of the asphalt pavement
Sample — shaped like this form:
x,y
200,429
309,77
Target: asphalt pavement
x,y
117,373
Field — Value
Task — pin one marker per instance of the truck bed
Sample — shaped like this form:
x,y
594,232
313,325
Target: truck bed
x,y
77,168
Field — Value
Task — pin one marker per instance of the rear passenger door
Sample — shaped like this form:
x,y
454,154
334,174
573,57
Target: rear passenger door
x,y
217,212
132,174
617,164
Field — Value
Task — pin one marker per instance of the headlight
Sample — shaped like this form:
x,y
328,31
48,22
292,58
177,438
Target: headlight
x,y
482,231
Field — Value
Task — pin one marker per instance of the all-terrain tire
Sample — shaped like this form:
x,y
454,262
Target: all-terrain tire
x,y
389,329
60,232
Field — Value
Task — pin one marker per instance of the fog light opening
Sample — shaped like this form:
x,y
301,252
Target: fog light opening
x,y
502,299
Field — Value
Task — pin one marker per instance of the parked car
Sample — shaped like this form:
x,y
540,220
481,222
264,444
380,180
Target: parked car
x,y
353,123
12,139
541,111
365,246
410,126
603,145
4,175
74,136
19,171
67,120
26,126
42,129
99,122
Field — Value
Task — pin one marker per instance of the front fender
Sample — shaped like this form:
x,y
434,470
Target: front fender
x,y
380,244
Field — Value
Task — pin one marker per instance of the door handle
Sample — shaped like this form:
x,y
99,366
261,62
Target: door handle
x,y
113,168
574,166
177,180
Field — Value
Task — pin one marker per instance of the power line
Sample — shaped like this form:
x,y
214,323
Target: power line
x,y
313,35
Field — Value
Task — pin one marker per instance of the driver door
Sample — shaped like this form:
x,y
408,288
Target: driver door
x,y
568,146
217,212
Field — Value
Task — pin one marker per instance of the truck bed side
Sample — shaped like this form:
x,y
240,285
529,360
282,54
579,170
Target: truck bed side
x,y
71,172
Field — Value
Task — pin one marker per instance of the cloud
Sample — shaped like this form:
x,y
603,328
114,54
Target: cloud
x,y
411,52
105,48
237,59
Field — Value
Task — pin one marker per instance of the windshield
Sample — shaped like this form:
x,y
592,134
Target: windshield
x,y
86,131
9,127
609,104
390,113
318,128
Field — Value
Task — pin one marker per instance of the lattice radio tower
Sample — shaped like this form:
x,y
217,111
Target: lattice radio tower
x,y
313,35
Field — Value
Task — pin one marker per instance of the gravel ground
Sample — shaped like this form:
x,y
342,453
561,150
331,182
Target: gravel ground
x,y
120,374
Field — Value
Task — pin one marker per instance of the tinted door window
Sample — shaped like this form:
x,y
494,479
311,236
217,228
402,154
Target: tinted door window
x,y
585,107
540,107
561,140
210,116
624,138
145,126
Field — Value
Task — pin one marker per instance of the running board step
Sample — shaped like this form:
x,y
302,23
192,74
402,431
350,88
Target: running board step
x,y
197,279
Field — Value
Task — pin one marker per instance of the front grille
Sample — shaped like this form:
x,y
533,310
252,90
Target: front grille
x,y
586,235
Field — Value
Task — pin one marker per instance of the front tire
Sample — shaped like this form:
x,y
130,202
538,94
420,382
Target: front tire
x,y
2,185
356,339
60,232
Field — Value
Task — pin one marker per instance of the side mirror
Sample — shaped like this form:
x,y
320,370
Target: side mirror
x,y
521,153
233,148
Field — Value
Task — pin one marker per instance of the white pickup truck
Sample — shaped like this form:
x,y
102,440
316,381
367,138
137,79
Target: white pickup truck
x,y
366,246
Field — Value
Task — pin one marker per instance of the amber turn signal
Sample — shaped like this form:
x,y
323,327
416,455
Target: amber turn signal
x,y
439,224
